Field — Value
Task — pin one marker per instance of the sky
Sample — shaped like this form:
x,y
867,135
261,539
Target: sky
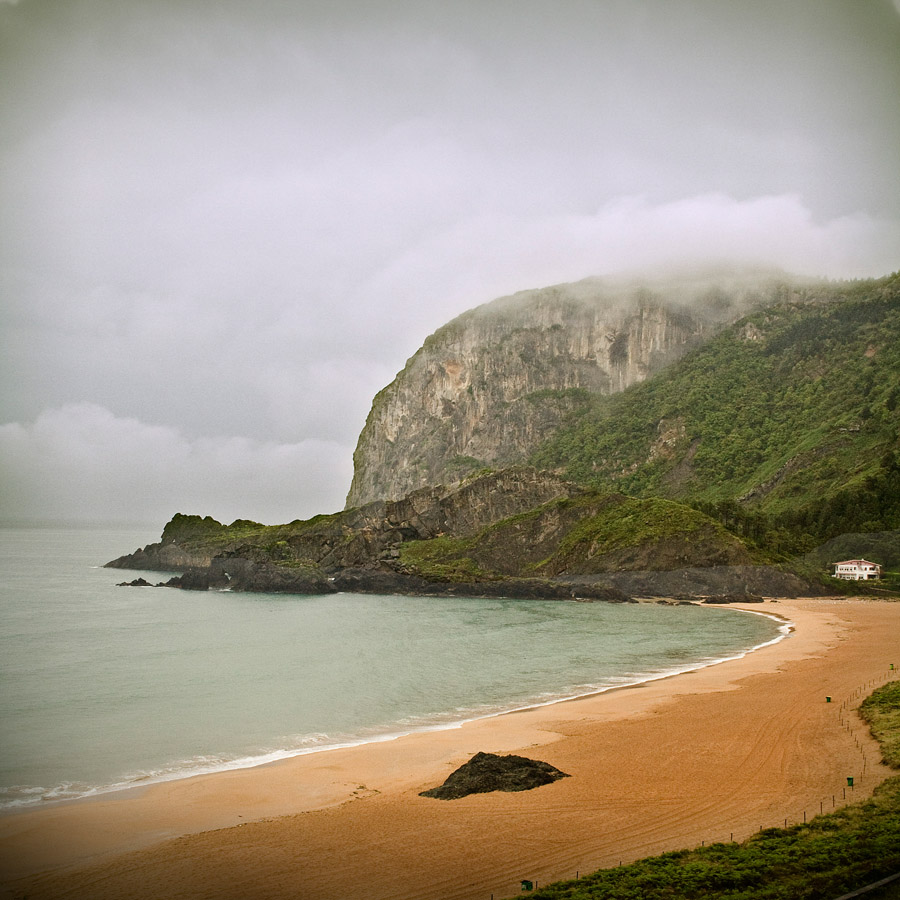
x,y
225,226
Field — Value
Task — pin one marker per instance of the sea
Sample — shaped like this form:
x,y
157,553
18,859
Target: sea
x,y
105,687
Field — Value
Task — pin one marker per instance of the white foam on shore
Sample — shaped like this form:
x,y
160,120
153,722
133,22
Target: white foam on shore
x,y
20,798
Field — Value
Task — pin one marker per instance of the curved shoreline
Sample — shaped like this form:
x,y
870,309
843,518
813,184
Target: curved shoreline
x,y
717,752
56,796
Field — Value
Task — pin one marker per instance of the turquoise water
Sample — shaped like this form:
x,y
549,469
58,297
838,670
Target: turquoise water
x,y
104,686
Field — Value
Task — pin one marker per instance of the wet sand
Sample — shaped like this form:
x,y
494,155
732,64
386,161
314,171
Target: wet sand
x,y
701,757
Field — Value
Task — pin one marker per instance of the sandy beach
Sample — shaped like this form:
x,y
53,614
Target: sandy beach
x,y
706,756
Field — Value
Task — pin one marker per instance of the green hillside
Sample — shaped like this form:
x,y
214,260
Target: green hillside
x,y
584,535
784,427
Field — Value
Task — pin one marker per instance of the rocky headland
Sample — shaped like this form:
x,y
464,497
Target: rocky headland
x,y
519,532
689,438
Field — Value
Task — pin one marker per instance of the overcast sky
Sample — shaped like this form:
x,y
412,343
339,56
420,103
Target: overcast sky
x,y
224,226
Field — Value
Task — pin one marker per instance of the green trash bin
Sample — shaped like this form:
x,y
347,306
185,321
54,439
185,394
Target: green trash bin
x,y
849,781
527,885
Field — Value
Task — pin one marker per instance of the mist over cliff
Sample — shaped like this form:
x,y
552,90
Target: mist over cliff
x,y
488,387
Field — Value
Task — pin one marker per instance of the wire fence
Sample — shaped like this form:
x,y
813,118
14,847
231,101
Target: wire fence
x,y
846,784
862,776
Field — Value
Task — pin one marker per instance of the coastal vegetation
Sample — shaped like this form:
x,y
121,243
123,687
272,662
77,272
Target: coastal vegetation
x,y
784,427
881,711
830,855
592,532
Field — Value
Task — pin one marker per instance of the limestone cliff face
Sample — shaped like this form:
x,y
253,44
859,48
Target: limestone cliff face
x,y
485,389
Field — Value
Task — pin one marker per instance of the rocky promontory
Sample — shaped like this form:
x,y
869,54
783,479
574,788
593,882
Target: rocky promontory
x,y
518,533
746,444
368,537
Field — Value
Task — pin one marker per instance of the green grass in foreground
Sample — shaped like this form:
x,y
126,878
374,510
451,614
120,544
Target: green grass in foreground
x,y
829,856
881,710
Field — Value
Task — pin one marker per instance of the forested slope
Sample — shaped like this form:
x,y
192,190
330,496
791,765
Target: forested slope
x,y
785,426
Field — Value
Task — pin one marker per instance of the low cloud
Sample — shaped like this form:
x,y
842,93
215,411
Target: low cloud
x,y
302,378
227,226
493,254
82,463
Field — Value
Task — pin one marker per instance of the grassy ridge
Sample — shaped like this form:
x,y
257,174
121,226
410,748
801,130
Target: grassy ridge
x,y
881,710
444,559
829,856
634,523
592,533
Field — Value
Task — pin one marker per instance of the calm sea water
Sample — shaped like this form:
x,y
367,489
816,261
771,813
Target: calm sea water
x,y
104,686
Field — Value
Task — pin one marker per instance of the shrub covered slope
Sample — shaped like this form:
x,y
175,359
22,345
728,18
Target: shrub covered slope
x,y
785,426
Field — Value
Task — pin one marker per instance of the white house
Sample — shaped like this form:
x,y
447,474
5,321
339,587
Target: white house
x,y
857,570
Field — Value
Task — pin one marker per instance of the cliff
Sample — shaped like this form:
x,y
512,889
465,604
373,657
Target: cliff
x,y
487,388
